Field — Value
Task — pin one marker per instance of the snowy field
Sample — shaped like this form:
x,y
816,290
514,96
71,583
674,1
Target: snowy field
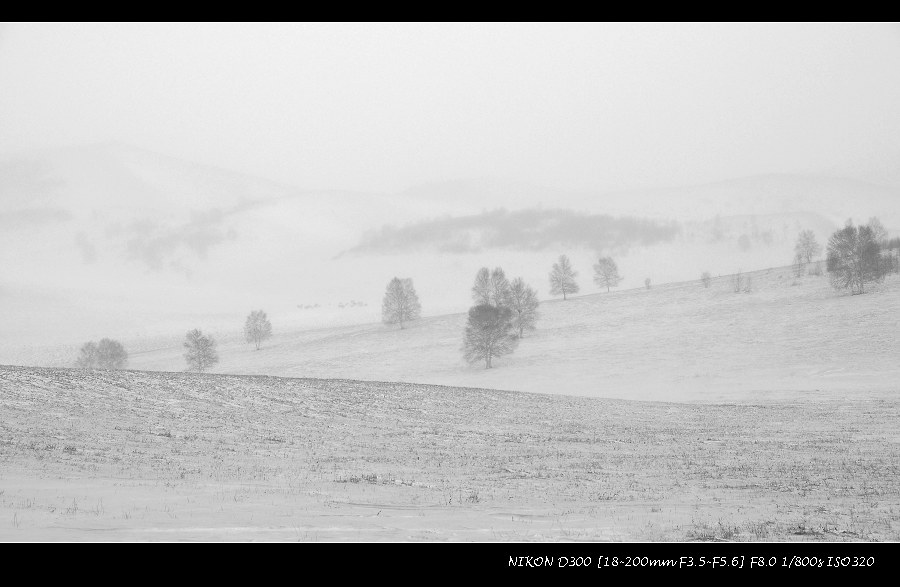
x,y
788,338
170,456
766,415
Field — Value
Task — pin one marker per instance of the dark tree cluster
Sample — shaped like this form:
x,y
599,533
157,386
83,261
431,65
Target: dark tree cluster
x,y
854,257
107,354
502,313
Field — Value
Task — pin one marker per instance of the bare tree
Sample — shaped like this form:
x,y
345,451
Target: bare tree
x,y
481,291
647,283
854,258
807,247
499,288
737,281
562,278
201,351
523,301
706,279
400,304
879,233
257,328
88,357
488,334
606,273
108,354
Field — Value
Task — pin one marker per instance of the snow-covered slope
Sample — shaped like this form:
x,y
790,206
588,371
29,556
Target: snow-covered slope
x,y
787,337
118,241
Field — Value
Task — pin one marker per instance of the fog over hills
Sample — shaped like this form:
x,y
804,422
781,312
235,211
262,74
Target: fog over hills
x,y
319,199
115,240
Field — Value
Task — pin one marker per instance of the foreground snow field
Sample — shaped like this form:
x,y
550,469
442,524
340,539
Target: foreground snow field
x,y
129,455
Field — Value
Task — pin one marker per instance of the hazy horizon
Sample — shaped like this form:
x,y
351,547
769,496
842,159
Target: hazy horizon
x,y
452,282
604,107
154,176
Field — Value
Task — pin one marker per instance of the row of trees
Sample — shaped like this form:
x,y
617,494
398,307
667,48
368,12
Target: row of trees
x,y
562,276
503,311
200,350
855,256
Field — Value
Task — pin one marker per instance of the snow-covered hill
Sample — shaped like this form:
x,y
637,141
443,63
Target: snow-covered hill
x,y
113,240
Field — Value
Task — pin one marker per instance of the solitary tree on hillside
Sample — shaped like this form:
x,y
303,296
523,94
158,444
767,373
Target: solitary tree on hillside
x,y
257,328
562,278
481,290
647,283
807,247
108,354
606,273
201,351
400,304
854,258
488,334
523,302
706,279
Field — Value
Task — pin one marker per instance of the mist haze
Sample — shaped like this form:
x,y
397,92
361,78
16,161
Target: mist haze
x,y
452,282
154,176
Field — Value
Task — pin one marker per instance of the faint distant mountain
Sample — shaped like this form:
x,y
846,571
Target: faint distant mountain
x,y
113,182
113,240
163,212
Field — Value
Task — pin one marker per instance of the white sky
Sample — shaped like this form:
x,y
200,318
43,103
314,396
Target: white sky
x,y
385,107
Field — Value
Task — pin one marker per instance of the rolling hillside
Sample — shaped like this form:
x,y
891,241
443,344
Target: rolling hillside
x,y
113,240
788,337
